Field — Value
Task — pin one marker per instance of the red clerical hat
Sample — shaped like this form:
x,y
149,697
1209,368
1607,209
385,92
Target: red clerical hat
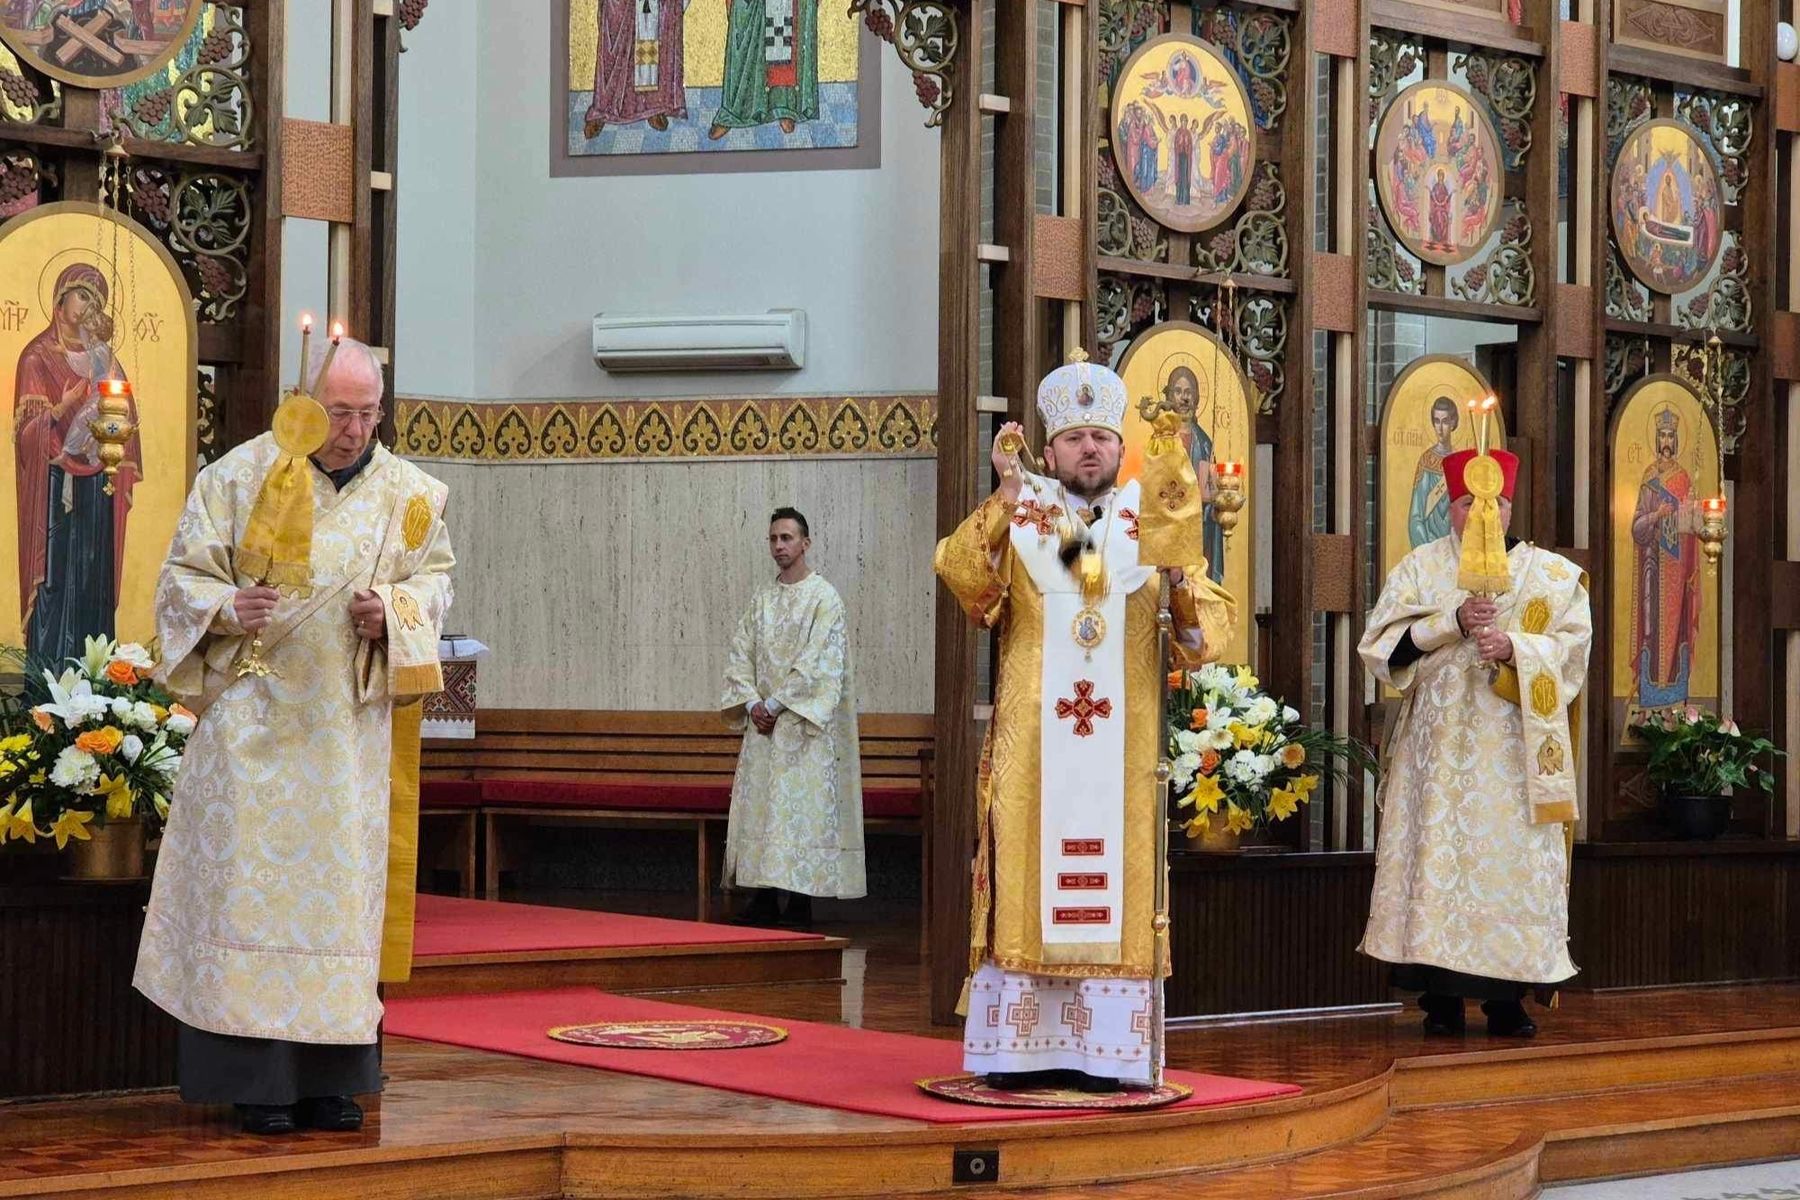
x,y
1455,464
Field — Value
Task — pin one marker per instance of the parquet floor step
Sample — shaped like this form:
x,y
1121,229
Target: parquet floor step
x,y
1506,1151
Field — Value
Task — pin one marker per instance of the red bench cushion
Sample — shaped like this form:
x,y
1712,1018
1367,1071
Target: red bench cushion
x,y
543,793
449,793
655,797
891,802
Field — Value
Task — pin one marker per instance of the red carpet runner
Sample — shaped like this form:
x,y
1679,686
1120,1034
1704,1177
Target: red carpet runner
x,y
827,1065
448,926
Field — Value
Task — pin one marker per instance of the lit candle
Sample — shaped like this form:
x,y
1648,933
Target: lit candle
x,y
1231,470
1714,506
337,335
116,387
305,348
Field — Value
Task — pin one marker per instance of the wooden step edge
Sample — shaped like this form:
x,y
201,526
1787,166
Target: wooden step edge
x,y
1534,1052
1510,1173
1670,1144
1670,1124
1508,1076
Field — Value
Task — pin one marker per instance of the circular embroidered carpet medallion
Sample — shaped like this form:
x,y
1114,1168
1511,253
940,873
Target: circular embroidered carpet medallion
x,y
671,1035
973,1089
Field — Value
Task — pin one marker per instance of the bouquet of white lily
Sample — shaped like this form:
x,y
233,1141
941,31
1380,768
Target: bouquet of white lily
x,y
1241,757
106,745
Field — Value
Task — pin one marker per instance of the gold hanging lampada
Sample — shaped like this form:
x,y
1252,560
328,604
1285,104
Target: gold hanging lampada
x,y
113,427
1713,528
1228,495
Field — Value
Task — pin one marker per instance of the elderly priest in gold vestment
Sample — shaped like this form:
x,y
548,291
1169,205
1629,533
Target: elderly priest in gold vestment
x,y
1061,937
1471,877
299,613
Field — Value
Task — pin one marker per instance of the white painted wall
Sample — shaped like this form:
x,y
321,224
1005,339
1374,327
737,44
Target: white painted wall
x,y
305,245
435,181
856,249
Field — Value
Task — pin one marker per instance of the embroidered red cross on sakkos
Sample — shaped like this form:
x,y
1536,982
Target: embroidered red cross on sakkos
x,y
1037,516
1084,708
1023,1015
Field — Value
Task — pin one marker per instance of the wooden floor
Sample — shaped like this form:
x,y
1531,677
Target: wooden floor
x,y
1618,1084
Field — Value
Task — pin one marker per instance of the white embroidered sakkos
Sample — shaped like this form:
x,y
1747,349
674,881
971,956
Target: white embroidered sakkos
x,y
1472,863
265,919
796,804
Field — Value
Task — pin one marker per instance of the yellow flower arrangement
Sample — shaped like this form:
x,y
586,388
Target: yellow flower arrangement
x,y
1238,751
105,746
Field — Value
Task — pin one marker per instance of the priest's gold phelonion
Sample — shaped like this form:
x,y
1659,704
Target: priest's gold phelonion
x,y
113,427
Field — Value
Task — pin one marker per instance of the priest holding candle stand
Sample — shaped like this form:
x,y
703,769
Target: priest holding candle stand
x,y
1486,638
299,613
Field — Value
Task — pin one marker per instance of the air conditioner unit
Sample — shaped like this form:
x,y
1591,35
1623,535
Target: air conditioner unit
x,y
771,341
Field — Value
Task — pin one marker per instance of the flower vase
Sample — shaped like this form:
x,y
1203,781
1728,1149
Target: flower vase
x,y
1696,818
1215,838
115,851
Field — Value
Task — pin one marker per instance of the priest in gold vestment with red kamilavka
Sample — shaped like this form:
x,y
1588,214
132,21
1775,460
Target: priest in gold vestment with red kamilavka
x,y
1472,861
1062,950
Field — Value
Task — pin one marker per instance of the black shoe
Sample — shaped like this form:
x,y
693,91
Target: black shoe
x,y
1097,1085
1507,1018
1443,1015
334,1114
761,910
799,911
270,1120
1022,1081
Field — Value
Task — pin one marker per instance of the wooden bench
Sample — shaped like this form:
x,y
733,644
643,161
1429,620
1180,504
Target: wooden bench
x,y
657,769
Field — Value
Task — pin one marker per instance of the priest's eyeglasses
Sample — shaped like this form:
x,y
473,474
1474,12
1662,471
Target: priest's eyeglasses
x,y
361,416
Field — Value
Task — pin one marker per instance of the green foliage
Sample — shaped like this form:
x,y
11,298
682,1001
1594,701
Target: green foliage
x,y
1696,753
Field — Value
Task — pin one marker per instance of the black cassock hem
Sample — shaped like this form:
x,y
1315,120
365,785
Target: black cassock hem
x,y
1441,981
216,1068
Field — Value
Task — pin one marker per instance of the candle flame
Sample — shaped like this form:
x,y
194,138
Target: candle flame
x,y
337,330
116,387
306,322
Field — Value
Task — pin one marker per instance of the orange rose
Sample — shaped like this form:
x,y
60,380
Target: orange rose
x,y
1209,762
121,673
1198,720
178,710
1176,679
99,741
44,720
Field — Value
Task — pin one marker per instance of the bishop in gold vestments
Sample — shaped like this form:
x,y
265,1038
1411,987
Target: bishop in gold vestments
x,y
1472,862
265,924
1061,940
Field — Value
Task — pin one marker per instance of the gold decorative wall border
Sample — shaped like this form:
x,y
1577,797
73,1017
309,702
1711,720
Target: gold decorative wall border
x,y
901,426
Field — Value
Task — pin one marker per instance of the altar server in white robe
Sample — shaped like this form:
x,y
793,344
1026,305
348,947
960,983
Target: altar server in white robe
x,y
1471,877
796,824
265,926
1061,952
